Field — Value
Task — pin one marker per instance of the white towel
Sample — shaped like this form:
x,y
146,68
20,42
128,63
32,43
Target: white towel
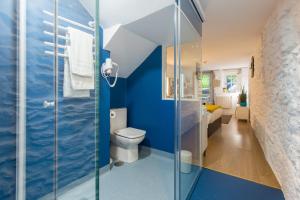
x,y
68,90
80,57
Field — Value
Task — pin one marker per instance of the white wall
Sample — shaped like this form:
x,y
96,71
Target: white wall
x,y
244,81
275,95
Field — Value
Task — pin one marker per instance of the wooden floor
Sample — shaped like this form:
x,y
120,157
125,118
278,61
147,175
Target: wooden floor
x,y
234,150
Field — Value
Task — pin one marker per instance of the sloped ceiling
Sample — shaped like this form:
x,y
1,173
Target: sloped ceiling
x,y
159,27
132,30
128,49
131,43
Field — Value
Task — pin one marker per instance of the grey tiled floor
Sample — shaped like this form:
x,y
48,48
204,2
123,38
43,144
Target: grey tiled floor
x,y
149,178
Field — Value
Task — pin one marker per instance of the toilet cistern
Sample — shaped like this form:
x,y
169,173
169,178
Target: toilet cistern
x,y
124,140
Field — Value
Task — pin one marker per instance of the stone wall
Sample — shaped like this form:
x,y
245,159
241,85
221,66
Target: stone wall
x,y
275,95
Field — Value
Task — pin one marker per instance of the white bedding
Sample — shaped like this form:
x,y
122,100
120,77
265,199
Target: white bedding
x,y
211,117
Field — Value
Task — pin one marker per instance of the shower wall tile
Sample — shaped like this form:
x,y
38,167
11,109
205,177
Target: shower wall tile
x,y
7,100
39,121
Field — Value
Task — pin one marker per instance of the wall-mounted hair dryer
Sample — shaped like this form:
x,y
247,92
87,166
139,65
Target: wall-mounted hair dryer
x,y
107,70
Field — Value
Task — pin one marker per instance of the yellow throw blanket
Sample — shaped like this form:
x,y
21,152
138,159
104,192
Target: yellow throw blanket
x,y
211,108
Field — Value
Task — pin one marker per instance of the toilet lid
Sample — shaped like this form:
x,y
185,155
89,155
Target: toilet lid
x,y
130,133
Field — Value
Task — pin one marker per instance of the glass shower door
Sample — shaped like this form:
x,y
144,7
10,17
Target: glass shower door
x,y
189,148
57,131
36,119
77,113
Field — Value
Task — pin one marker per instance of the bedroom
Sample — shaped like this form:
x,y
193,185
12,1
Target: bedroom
x,y
250,72
226,72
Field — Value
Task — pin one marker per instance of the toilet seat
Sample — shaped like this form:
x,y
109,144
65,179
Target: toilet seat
x,y
130,133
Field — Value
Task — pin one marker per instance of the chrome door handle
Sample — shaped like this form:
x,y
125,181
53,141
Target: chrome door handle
x,y
47,104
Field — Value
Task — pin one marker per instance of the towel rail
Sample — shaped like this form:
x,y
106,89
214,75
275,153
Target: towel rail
x,y
51,24
59,54
50,44
51,53
60,46
70,21
52,34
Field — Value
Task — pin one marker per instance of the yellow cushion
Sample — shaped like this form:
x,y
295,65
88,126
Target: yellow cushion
x,y
211,107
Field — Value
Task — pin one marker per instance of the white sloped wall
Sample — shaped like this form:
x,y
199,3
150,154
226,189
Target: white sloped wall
x,y
134,28
126,48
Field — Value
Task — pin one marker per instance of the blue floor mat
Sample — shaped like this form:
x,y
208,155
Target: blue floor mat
x,y
213,185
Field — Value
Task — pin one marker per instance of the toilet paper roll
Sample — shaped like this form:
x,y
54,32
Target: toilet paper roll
x,y
112,114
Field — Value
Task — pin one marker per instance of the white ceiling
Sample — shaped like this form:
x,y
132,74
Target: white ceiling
x,y
131,43
232,30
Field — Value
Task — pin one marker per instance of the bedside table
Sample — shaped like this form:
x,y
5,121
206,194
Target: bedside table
x,y
242,113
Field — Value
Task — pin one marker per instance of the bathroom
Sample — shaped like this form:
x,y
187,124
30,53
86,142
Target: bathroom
x,y
141,113
124,127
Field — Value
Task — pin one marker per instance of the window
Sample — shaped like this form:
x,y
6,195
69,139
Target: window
x,y
231,83
206,87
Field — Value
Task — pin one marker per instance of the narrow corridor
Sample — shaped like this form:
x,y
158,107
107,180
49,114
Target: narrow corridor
x,y
234,150
235,167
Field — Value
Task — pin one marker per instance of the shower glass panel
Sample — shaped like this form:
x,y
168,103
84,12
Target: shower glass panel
x,y
189,106
57,119
137,36
36,131
77,100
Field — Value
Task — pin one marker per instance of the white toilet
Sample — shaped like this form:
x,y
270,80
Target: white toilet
x,y
124,140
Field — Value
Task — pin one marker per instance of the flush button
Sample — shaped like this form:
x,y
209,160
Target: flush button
x,y
112,114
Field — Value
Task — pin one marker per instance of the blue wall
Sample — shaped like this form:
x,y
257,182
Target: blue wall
x,y
7,100
104,107
146,109
118,94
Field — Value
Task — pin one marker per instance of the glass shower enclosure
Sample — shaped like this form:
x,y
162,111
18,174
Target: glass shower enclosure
x,y
189,151
57,102
58,105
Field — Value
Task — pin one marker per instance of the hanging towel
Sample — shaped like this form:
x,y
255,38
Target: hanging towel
x,y
68,90
80,57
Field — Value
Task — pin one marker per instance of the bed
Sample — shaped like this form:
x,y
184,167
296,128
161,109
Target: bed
x,y
214,118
